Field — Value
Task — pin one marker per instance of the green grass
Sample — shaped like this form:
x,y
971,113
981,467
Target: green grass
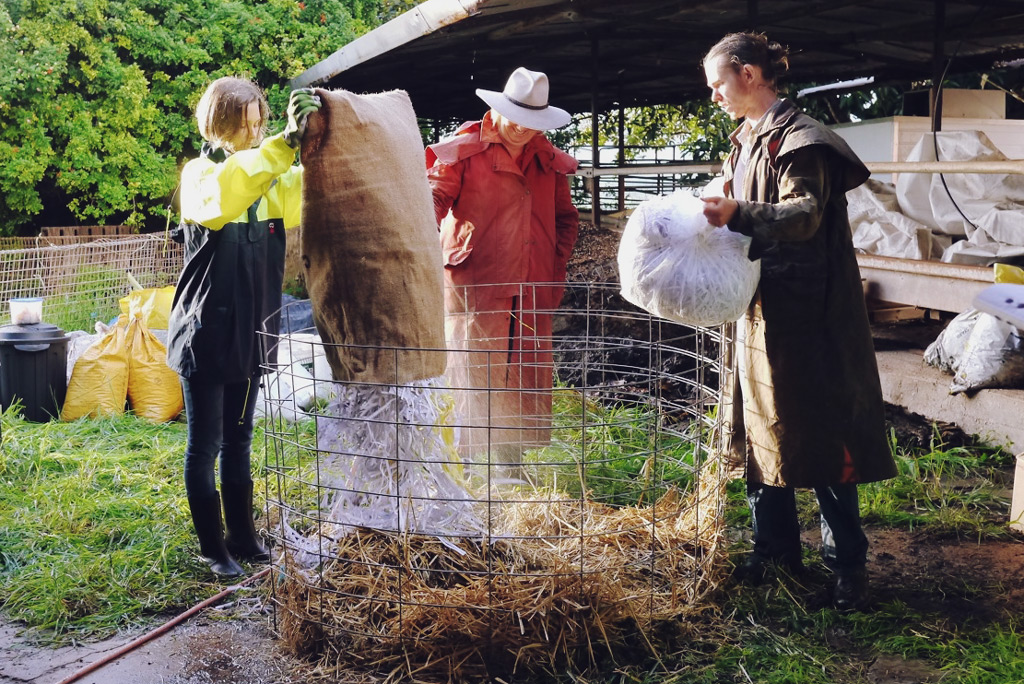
x,y
776,634
993,656
620,453
941,489
94,528
95,536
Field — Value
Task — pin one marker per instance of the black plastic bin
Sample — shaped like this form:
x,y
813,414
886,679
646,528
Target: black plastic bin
x,y
33,369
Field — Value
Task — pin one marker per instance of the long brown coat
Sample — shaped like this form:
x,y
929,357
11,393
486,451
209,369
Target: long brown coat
x,y
812,410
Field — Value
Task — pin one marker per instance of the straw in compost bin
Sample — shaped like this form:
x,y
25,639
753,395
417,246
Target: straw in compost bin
x,y
385,466
562,577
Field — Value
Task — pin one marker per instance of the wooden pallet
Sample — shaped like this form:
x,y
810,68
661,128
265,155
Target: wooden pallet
x,y
888,312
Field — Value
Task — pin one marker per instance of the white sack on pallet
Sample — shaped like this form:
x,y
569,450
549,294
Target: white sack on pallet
x,y
879,227
674,264
993,357
302,377
948,348
980,351
988,209
288,393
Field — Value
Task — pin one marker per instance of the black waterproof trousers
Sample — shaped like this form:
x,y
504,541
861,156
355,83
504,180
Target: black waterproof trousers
x,y
220,419
844,545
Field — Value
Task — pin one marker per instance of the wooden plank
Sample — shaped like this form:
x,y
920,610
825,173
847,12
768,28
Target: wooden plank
x,y
992,414
888,312
85,231
925,284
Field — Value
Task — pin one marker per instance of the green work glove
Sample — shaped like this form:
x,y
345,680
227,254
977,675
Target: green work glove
x,y
301,104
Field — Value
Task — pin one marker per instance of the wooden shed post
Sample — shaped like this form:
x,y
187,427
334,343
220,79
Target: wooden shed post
x,y
595,143
938,65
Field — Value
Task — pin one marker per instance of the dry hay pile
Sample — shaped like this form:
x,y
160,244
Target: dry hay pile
x,y
561,584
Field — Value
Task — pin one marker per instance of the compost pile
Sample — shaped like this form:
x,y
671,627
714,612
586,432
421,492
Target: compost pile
x,y
405,565
558,581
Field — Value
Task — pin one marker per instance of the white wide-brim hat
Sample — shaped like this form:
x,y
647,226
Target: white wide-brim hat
x,y
525,101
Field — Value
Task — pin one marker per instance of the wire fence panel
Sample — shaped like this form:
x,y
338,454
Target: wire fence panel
x,y
484,526
82,279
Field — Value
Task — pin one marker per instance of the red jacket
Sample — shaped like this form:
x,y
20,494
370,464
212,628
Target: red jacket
x,y
502,221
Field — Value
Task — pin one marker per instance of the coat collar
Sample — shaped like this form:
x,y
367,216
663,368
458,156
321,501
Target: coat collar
x,y
777,116
803,131
474,137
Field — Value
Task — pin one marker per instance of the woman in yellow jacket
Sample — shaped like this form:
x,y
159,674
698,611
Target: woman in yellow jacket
x,y
237,199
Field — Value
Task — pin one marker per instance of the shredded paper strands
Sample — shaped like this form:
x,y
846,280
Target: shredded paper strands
x,y
673,264
384,465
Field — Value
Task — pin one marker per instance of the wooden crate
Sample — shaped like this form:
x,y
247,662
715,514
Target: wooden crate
x,y
86,231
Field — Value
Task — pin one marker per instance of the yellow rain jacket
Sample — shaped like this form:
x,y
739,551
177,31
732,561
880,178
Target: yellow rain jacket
x,y
234,209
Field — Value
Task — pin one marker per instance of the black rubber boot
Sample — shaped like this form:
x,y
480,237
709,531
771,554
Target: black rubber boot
x,y
755,569
241,539
851,592
206,519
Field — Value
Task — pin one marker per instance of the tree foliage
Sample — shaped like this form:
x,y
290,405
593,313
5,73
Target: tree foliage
x,y
858,105
698,127
96,96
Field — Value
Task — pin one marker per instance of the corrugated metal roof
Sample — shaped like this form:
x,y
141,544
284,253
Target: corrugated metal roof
x,y
649,51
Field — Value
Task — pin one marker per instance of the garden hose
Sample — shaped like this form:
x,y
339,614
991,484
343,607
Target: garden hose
x,y
162,629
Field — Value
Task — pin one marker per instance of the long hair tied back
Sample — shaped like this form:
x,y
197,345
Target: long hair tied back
x,y
754,49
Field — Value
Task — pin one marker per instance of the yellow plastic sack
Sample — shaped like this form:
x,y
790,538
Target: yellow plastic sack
x,y
152,305
154,392
99,381
1004,273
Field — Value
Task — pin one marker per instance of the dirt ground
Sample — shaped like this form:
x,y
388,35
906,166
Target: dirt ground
x,y
225,644
956,581
960,581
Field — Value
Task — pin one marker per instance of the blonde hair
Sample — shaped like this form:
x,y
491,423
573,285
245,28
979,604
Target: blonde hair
x,y
220,113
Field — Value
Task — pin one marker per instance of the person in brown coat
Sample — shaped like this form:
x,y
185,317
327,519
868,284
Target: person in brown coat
x,y
807,407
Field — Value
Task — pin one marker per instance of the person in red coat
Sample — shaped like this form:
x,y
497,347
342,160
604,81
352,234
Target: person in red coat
x,y
508,226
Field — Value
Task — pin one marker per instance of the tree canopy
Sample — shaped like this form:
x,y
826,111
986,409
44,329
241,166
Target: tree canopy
x,y
96,96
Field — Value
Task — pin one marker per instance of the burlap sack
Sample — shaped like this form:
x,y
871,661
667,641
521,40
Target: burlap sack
x,y
369,240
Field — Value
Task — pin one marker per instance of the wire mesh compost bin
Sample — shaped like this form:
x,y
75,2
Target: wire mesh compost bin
x,y
415,533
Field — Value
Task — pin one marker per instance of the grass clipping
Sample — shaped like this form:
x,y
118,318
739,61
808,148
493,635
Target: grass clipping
x,y
560,581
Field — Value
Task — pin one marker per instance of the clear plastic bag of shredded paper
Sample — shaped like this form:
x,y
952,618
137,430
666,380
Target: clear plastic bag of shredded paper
x,y
674,264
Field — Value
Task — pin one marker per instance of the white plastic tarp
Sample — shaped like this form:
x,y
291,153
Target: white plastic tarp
x,y
988,209
880,228
916,219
